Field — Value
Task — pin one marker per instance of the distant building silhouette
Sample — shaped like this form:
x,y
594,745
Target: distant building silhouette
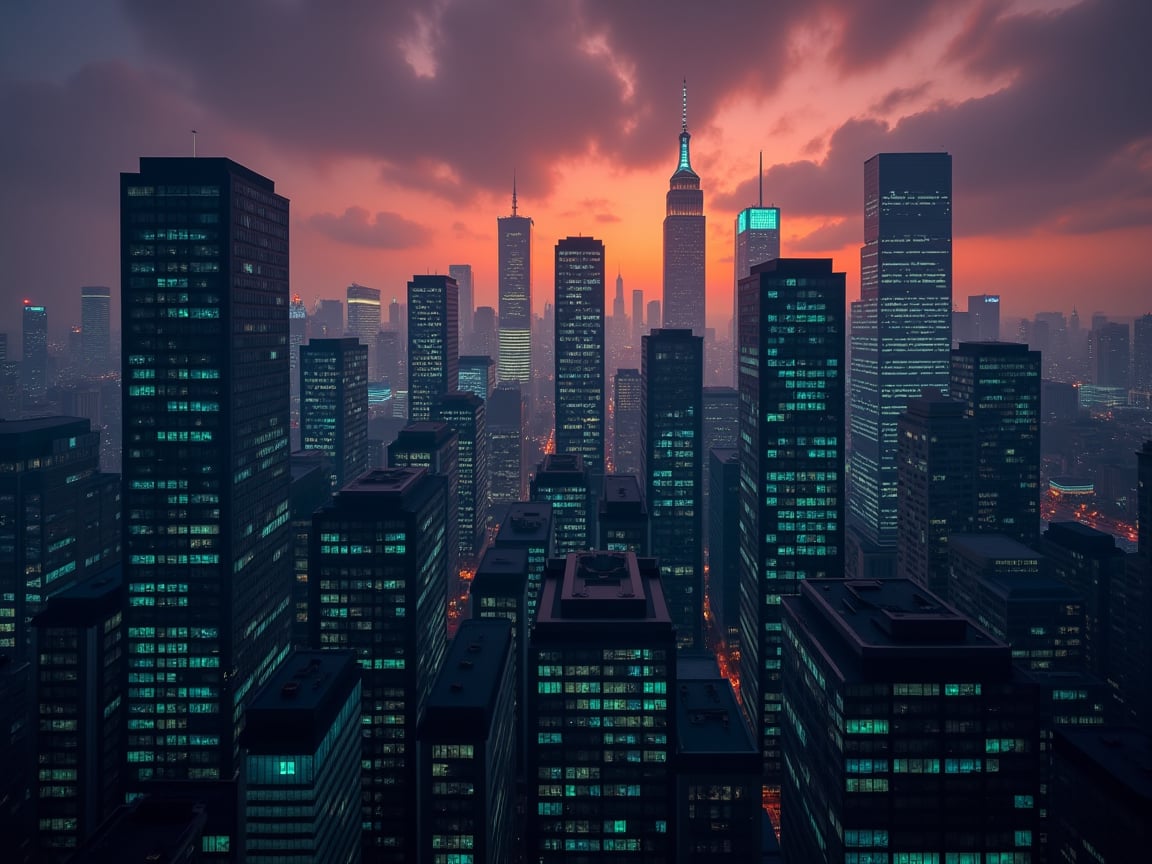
x,y
95,328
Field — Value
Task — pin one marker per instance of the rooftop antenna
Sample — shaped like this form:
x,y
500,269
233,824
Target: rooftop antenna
x,y
513,191
761,178
193,143
684,114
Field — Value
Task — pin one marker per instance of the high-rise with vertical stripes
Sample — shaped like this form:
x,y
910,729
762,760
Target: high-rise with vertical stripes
x,y
515,295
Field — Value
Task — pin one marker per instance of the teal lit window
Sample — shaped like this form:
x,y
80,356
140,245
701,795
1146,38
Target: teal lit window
x,y
287,768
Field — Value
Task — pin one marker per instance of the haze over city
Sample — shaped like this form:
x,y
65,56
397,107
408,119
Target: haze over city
x,y
395,129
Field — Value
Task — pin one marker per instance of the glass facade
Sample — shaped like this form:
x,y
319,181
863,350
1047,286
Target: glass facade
x,y
95,328
378,581
334,404
579,314
902,323
505,439
34,363
757,240
204,276
514,265
791,451
627,446
562,482
464,414
672,432
433,342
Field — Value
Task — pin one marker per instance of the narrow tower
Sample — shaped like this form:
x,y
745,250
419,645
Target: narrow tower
x,y
515,295
684,242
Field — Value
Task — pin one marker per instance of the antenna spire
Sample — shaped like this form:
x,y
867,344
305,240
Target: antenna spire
x,y
761,178
684,114
193,143
513,191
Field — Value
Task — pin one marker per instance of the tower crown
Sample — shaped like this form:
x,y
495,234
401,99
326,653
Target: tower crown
x,y
685,165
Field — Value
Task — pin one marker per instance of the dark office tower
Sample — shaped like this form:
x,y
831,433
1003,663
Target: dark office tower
x,y
80,732
930,752
627,443
622,525
1089,562
724,545
302,745
467,751
206,478
791,463
936,467
718,772
311,488
984,317
364,319
34,366
1142,352
528,526
1110,358
95,328
297,336
464,414
515,296
59,518
433,351
334,404
477,375
462,273
672,428
653,319
384,599
505,440
18,719
1144,500
328,319
1101,795
1005,586
436,446
721,426
901,327
999,382
388,350
562,482
619,328
580,351
600,769
684,296
485,340
500,589
637,315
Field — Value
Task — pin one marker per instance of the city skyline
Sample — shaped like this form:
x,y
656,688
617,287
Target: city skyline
x,y
371,208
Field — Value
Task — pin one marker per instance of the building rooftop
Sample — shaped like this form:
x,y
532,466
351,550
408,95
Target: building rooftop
x,y
381,482
191,169
503,570
294,711
992,547
601,587
560,464
40,432
86,603
147,831
1074,535
894,625
464,695
622,495
725,454
526,523
1123,755
708,719
423,430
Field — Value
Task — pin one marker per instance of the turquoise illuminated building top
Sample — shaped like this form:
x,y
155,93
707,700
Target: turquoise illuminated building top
x,y
685,165
758,219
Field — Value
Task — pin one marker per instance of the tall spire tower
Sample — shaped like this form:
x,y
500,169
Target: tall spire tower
x,y
757,241
515,294
684,240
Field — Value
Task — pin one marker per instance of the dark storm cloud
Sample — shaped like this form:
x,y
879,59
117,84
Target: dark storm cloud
x,y
1068,134
356,227
893,99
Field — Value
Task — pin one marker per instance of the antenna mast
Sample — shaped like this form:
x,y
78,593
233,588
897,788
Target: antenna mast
x,y
761,175
193,143
684,114
513,191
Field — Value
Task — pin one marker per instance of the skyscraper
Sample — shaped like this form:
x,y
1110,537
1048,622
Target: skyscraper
x,y
984,318
627,455
1142,352
721,427
757,240
297,336
684,296
364,320
672,426
600,769
562,481
384,599
1110,355
433,350
999,384
622,520
515,295
208,559
791,447
464,414
936,458
334,404
477,375
580,351
505,440
637,315
95,324
328,319
901,327
34,365
462,273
